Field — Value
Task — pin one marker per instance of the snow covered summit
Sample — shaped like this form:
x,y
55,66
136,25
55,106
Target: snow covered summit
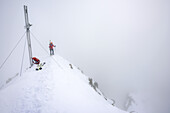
x,y
58,88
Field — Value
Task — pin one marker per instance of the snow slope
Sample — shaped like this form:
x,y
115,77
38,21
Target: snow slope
x,y
55,89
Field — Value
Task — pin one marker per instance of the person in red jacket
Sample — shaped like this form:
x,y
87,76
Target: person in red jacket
x,y
51,46
35,60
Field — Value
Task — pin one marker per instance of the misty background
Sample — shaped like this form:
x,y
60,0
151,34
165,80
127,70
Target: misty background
x,y
121,44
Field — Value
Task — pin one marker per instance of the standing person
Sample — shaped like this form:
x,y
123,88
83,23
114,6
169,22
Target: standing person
x,y
51,46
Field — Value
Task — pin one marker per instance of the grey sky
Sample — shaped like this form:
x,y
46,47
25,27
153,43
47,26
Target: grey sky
x,y
122,44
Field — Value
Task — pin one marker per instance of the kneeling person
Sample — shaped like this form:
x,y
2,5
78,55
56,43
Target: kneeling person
x,y
37,61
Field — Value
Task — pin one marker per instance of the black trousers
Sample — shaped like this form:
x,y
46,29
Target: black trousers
x,y
51,51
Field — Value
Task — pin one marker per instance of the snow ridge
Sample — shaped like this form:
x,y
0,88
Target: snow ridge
x,y
54,89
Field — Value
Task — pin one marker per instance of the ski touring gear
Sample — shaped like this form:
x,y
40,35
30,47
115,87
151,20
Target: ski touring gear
x,y
39,67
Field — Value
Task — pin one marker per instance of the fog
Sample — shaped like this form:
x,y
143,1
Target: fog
x,y
121,44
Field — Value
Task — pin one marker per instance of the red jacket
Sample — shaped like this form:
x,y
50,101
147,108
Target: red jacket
x,y
51,45
35,60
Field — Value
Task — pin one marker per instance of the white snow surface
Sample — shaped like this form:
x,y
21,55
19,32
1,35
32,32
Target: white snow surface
x,y
55,89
